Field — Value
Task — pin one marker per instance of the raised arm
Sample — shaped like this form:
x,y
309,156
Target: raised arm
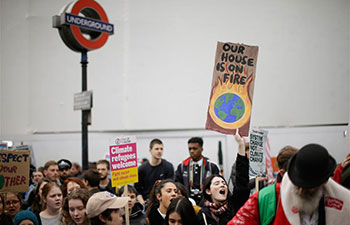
x,y
241,143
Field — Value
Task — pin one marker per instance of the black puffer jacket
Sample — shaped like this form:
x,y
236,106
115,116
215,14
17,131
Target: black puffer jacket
x,y
137,216
239,196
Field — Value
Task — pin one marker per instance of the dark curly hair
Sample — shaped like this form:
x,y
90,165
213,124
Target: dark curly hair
x,y
157,187
206,186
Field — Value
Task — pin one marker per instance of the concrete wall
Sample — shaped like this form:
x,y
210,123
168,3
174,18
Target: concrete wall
x,y
68,145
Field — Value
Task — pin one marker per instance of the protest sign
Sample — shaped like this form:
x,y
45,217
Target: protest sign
x,y
3,146
123,159
231,96
14,170
257,151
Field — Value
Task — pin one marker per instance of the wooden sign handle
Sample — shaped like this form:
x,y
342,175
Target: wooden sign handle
x,y
126,194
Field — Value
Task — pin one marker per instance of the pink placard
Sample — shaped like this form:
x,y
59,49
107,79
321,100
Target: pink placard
x,y
123,156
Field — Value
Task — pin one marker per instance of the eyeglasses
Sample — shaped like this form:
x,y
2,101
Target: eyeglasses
x,y
14,202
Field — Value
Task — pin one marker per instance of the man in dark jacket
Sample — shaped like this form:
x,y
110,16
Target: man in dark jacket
x,y
155,169
193,171
136,209
91,179
103,167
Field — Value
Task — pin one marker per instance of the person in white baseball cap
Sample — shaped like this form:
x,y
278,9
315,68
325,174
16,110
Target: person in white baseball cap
x,y
106,208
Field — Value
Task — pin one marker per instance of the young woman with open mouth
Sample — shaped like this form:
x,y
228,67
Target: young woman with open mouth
x,y
161,195
12,203
218,205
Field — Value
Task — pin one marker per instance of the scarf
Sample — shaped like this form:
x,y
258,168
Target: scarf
x,y
216,209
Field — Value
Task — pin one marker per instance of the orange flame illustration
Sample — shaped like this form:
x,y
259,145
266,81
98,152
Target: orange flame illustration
x,y
241,92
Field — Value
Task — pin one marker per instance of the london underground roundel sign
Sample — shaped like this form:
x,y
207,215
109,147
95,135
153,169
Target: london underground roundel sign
x,y
83,25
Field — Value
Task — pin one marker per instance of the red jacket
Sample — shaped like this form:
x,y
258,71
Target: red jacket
x,y
337,174
336,205
249,213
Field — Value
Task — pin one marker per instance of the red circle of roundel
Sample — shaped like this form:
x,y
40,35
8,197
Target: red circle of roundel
x,y
89,44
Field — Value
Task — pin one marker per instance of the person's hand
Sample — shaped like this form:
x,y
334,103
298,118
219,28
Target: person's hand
x,y
241,143
139,198
261,179
346,160
257,180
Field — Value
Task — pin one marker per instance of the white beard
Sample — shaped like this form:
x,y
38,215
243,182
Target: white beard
x,y
307,203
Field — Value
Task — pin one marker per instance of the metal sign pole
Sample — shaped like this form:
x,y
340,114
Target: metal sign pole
x,y
84,113
83,26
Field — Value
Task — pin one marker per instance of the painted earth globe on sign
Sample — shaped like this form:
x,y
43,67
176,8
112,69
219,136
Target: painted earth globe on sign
x,y
229,107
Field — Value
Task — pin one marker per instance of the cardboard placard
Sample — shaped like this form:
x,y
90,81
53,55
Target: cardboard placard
x,y
231,96
3,146
14,170
123,160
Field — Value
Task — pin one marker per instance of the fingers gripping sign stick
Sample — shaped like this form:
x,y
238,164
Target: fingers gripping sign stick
x,y
241,143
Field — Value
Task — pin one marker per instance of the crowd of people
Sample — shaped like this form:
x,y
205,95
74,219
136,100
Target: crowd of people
x,y
310,189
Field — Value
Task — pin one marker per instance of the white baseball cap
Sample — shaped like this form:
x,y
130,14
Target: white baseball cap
x,y
101,201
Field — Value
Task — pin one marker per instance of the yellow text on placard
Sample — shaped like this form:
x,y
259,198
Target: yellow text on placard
x,y
124,177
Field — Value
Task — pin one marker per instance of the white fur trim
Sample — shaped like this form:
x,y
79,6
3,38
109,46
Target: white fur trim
x,y
333,192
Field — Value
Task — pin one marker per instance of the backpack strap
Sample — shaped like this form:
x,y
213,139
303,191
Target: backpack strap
x,y
267,204
208,164
164,168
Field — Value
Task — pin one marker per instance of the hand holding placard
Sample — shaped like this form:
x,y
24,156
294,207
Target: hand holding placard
x,y
241,143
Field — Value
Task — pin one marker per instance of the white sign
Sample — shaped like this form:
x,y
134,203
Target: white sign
x,y
83,100
257,150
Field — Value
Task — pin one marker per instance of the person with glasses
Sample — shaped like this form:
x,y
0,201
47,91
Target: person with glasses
x,y
4,218
12,204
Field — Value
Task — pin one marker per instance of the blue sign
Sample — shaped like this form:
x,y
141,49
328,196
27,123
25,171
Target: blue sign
x,y
88,23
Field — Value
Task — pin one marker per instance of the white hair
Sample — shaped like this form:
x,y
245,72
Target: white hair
x,y
308,200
